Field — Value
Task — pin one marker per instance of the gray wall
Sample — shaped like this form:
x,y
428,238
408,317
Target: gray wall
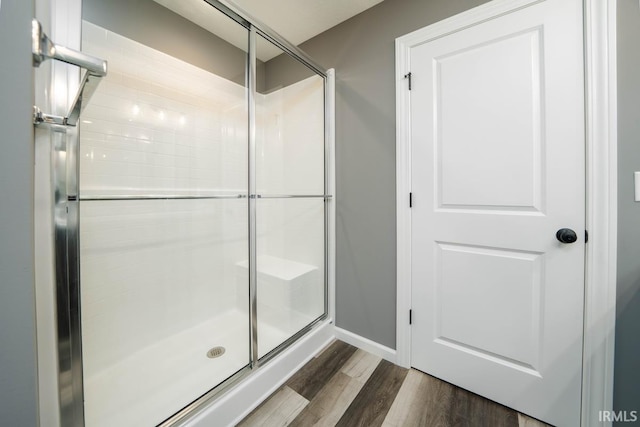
x,y
18,398
363,54
282,71
149,23
627,356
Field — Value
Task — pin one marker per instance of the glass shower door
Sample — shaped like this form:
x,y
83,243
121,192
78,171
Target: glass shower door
x,y
163,224
290,202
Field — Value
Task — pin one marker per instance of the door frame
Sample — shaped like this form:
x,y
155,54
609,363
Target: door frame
x,y
601,189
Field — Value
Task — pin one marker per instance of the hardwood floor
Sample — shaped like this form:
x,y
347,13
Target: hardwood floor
x,y
348,387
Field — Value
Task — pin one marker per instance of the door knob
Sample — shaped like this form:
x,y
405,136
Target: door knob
x,y
566,235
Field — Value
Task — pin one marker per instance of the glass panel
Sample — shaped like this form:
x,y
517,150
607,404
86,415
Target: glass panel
x,y
289,125
290,268
289,161
159,125
164,304
160,288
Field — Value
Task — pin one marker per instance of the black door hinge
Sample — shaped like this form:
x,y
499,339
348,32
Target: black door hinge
x,y
586,236
410,200
408,76
410,317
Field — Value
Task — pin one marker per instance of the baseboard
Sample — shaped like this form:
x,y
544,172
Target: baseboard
x,y
365,344
238,402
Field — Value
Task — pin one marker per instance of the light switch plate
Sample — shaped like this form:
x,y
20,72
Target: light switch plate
x,y
636,176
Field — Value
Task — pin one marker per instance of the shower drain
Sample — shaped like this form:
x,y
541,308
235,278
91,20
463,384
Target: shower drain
x,y
215,352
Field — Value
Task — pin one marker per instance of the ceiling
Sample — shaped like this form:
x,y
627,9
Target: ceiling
x,y
296,20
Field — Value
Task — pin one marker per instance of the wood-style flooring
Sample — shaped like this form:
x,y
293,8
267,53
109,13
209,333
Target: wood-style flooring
x,y
348,387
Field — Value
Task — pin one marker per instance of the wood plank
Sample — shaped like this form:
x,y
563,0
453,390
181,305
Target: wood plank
x,y
335,397
469,409
371,405
330,403
427,401
361,365
410,403
421,401
277,411
310,379
526,421
351,387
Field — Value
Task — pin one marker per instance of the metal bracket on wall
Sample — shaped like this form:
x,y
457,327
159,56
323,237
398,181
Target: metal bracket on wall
x,y
42,49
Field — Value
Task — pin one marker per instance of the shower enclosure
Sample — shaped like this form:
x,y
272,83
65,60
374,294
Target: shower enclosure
x,y
197,203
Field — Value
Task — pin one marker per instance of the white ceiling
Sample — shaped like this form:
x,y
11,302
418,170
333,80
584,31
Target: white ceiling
x,y
295,20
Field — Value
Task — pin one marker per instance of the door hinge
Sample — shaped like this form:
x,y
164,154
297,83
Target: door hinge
x,y
586,236
410,200
408,76
410,317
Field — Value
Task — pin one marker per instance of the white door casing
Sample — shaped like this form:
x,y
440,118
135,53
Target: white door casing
x,y
601,177
497,168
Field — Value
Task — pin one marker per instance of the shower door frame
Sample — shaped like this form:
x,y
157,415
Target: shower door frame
x,y
66,220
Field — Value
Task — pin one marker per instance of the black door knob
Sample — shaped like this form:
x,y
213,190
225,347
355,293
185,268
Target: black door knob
x,y
566,235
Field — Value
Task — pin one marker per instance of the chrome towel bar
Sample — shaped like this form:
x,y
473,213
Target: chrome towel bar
x,y
42,49
138,197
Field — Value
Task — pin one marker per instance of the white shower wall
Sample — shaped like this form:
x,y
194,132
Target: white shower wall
x,y
290,139
156,271
290,161
160,125
156,126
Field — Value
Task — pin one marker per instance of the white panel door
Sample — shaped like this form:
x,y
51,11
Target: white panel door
x,y
497,135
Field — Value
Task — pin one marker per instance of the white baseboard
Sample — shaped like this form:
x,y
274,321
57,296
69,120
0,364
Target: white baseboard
x,y
365,344
238,402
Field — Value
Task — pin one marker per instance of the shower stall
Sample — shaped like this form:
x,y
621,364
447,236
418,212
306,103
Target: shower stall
x,y
193,211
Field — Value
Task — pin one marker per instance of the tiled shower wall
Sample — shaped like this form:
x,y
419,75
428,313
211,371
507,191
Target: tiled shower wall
x,y
160,126
290,161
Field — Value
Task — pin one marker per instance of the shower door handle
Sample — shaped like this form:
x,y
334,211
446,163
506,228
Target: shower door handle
x,y
42,48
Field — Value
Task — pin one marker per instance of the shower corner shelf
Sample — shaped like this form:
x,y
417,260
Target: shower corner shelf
x,y
42,49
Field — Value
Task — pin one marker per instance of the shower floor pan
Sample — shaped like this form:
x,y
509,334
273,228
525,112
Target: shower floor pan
x,y
159,380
